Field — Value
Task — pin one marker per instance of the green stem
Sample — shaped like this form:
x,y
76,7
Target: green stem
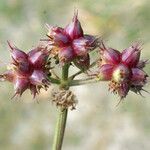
x,y
65,71
53,80
62,113
60,129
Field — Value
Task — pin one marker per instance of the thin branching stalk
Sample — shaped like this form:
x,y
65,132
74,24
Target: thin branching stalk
x,y
83,81
54,80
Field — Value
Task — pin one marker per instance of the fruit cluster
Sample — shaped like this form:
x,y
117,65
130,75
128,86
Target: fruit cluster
x,y
69,45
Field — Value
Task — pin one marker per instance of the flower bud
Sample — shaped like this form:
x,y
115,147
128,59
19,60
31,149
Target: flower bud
x,y
38,57
17,55
58,36
20,85
139,77
92,41
38,77
109,55
23,68
80,46
105,72
8,76
131,55
20,61
83,62
74,29
83,45
66,54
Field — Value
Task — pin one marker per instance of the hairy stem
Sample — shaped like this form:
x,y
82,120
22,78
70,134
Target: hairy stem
x,y
62,113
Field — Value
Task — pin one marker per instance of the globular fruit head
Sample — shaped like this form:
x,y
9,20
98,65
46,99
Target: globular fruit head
x,y
70,43
124,70
27,71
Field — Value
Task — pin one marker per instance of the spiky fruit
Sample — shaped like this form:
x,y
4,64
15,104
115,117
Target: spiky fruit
x,y
124,70
70,43
27,70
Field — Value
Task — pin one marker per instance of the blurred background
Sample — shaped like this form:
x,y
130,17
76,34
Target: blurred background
x,y
96,124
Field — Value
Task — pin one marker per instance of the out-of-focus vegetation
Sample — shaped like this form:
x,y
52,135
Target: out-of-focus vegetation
x,y
96,124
